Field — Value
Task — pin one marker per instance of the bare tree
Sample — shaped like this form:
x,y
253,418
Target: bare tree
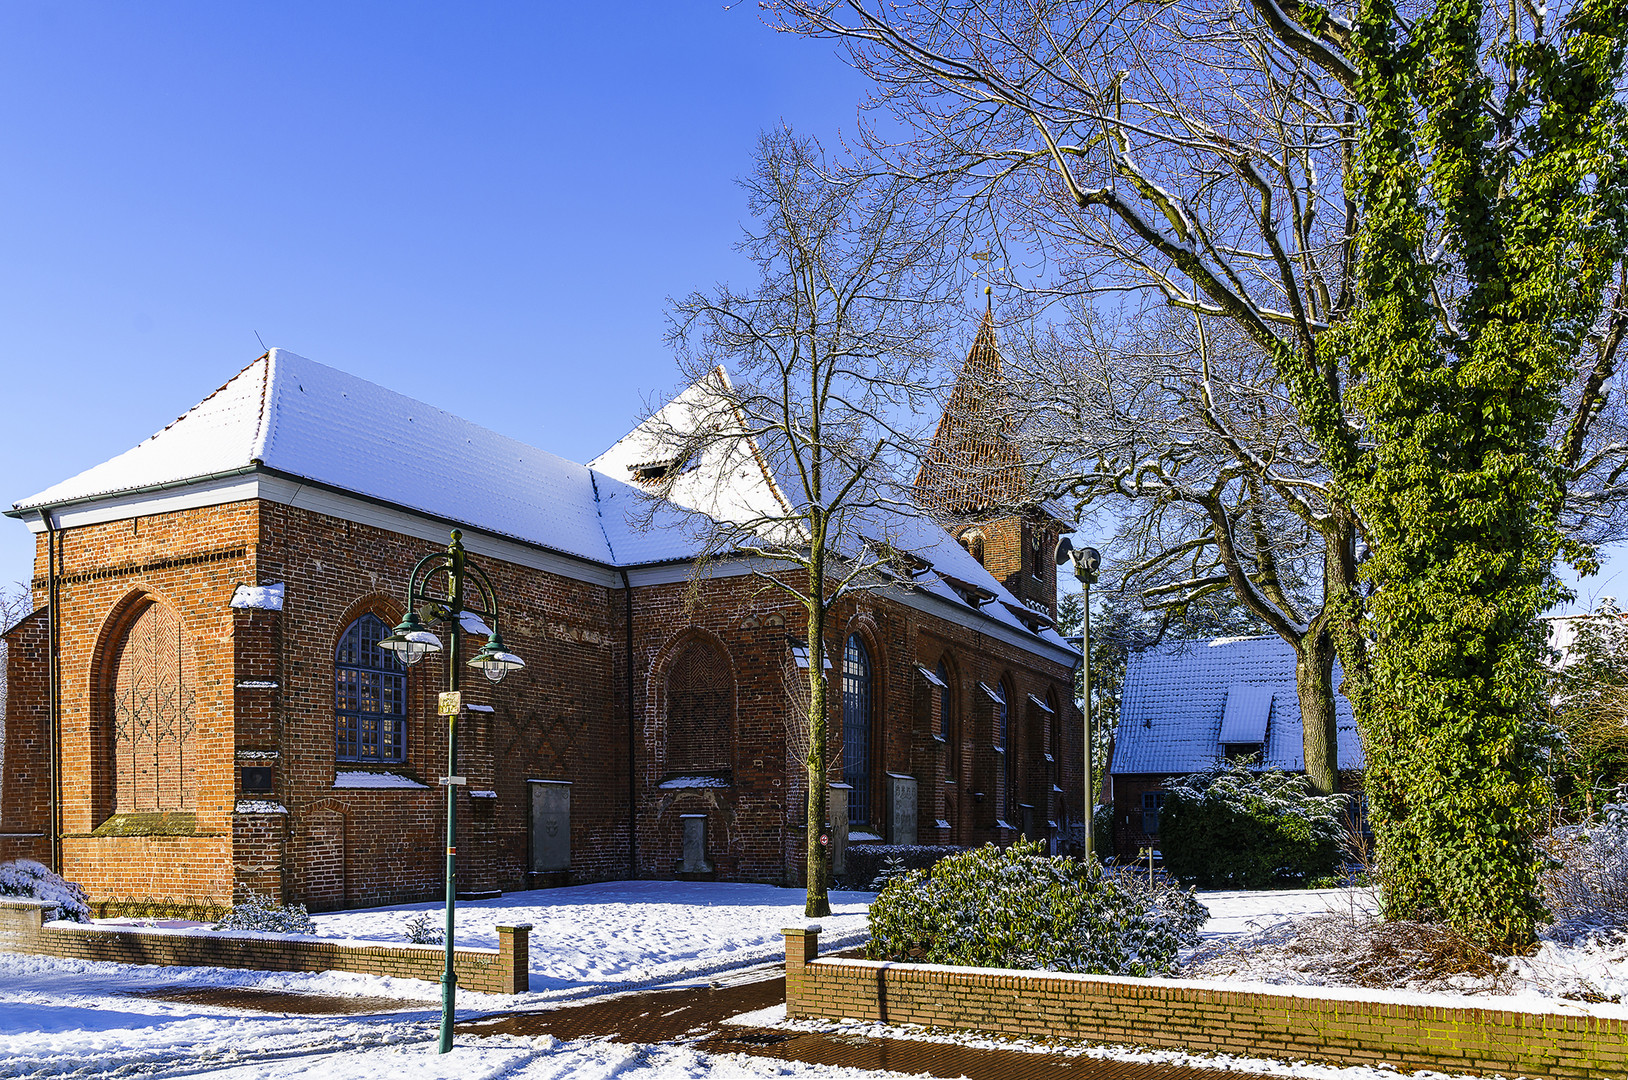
x,y
1179,427
799,460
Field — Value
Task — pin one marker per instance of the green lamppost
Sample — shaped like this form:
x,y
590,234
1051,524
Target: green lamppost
x,y
1086,563
436,594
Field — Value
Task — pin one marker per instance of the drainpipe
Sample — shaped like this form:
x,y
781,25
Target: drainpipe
x,y
53,622
632,787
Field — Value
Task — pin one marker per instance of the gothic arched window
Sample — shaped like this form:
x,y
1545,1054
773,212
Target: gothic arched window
x,y
700,711
856,728
370,695
1005,763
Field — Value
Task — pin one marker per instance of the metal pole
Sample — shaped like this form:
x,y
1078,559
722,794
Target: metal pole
x,y
1085,642
455,606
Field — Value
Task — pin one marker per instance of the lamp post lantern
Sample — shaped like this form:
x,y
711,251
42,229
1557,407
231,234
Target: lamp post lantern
x,y
1086,563
436,593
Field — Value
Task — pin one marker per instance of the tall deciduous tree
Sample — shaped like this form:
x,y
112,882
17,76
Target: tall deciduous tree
x,y
830,353
1415,215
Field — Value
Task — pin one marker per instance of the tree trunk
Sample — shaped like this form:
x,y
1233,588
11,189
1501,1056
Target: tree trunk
x,y
818,904
1314,685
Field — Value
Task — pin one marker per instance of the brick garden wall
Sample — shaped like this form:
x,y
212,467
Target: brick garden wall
x,y
492,971
1342,1028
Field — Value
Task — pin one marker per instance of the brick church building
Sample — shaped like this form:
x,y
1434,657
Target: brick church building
x,y
219,714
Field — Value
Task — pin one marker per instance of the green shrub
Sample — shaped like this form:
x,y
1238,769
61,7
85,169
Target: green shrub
x,y
1017,908
262,913
1234,827
869,866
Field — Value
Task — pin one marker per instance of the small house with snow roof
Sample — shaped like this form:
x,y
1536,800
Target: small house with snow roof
x,y
1187,705
201,705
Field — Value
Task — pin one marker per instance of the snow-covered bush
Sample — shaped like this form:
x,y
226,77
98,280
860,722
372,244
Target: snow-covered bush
x,y
25,877
422,929
1586,886
1233,827
1018,908
866,862
260,913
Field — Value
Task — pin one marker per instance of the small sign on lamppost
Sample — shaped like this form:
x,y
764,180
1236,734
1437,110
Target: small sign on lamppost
x,y
452,702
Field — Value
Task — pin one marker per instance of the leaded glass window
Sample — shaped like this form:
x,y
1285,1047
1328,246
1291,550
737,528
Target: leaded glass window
x,y
946,702
856,729
370,695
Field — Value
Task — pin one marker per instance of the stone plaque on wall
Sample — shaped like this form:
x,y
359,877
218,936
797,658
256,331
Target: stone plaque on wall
x,y
901,817
695,844
836,811
550,825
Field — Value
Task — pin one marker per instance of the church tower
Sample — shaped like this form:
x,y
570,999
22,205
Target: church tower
x,y
975,477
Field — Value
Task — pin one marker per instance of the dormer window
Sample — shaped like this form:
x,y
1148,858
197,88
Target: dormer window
x,y
1242,751
652,472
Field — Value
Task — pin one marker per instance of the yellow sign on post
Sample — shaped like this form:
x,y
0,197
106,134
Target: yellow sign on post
x,y
452,702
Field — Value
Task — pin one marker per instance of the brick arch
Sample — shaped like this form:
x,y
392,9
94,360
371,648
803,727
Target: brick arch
x,y
388,608
662,668
144,708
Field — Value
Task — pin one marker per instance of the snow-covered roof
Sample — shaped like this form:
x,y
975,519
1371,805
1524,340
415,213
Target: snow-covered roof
x,y
1182,701
306,420
296,418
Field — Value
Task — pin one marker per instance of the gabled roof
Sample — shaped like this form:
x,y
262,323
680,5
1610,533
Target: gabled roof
x,y
308,421
1182,701
757,486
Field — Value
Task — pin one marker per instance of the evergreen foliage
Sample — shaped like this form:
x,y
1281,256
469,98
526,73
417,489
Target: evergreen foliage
x,y
1232,827
1018,908
1588,695
865,863
25,877
256,912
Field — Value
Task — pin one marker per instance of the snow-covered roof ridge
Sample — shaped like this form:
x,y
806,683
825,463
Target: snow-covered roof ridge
x,y
300,418
218,435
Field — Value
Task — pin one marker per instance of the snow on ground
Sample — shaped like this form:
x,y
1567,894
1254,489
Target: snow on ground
x,y
587,938
775,1017
1235,912
65,1018
618,932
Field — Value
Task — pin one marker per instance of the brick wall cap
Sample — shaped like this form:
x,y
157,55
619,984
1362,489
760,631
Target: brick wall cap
x,y
801,931
23,903
1400,1002
516,928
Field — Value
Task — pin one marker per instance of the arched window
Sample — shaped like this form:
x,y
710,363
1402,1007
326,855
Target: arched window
x,y
370,695
973,541
154,714
1005,764
946,701
700,711
856,729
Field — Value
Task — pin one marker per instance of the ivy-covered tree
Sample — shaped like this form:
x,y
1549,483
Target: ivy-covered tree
x,y
1416,215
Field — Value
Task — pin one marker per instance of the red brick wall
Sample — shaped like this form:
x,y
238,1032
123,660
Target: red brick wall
x,y
25,787
1341,1028
190,561
265,686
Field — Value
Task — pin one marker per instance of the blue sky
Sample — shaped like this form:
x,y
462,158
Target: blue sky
x,y
485,206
